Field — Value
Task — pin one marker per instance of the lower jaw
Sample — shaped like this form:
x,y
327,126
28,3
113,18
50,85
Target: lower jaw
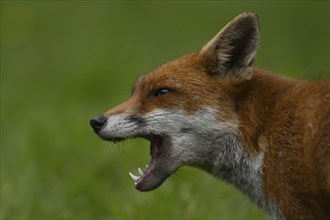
x,y
155,175
158,169
147,186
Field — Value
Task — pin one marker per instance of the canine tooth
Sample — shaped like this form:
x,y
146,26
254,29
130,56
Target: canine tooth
x,y
140,171
135,178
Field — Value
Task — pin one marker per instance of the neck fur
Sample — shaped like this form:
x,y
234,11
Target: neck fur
x,y
233,164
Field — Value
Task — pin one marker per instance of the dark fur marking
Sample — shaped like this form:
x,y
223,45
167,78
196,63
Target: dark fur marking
x,y
136,119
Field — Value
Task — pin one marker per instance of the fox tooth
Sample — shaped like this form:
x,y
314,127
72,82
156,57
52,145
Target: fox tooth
x,y
135,178
140,171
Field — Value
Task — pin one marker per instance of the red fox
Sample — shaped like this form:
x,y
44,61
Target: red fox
x,y
213,109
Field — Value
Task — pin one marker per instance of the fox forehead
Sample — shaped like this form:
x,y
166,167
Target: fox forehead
x,y
192,88
177,73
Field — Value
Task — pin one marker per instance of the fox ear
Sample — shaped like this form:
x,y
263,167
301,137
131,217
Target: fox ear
x,y
231,53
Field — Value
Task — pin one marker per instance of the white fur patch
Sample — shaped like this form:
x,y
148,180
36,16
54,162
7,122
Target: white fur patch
x,y
119,126
199,140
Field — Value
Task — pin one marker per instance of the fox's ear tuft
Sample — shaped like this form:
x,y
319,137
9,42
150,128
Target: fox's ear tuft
x,y
231,53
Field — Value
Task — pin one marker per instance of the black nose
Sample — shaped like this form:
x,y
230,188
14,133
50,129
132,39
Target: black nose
x,y
97,123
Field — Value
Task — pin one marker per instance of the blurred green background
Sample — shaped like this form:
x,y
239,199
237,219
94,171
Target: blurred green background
x,y
63,62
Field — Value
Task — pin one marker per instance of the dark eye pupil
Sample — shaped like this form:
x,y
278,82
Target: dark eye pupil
x,y
159,92
162,92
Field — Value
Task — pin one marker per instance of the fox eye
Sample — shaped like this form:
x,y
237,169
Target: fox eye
x,y
159,92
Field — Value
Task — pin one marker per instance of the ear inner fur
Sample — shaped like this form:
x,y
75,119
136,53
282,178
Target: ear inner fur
x,y
231,53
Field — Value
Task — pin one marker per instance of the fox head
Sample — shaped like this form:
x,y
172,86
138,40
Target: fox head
x,y
186,107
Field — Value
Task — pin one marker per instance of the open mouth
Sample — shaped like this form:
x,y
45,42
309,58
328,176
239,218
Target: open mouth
x,y
158,169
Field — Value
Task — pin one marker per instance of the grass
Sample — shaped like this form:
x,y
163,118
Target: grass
x,y
63,62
